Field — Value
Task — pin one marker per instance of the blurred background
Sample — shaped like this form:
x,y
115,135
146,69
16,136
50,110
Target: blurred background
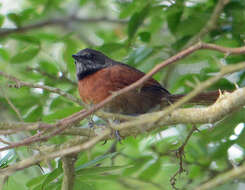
x,y
37,39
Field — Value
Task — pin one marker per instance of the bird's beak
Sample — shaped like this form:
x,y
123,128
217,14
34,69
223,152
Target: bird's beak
x,y
75,56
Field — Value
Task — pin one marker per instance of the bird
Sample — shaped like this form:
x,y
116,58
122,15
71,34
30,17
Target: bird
x,y
99,76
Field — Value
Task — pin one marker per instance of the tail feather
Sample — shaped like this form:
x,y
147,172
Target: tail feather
x,y
205,98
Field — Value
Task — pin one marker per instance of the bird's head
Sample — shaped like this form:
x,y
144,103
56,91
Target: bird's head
x,y
89,61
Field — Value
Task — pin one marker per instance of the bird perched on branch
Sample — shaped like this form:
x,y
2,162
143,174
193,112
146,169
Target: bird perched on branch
x,y
99,76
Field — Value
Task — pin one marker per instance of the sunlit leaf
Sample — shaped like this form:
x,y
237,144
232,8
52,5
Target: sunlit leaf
x,y
51,176
27,38
49,67
25,55
15,18
173,16
4,54
98,170
4,162
61,113
96,160
136,20
1,20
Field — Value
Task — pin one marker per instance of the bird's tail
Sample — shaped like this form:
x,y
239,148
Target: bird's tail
x,y
205,98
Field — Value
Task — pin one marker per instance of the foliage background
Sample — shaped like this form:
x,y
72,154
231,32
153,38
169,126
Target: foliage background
x,y
142,34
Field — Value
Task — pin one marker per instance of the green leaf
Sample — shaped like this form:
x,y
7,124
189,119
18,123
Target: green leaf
x,y
36,181
58,103
139,55
16,181
127,8
49,67
221,149
50,37
34,113
111,47
27,38
99,170
198,152
136,20
179,44
145,36
103,176
196,22
241,138
44,180
61,113
52,176
241,81
25,55
96,160
4,54
27,13
83,185
1,20
174,14
137,165
224,128
83,2
7,159
152,168
194,171
14,18
70,48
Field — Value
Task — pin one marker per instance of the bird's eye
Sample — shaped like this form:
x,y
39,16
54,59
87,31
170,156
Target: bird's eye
x,y
89,56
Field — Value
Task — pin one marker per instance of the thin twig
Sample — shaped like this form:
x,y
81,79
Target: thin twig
x,y
5,142
211,24
61,78
11,105
20,84
180,153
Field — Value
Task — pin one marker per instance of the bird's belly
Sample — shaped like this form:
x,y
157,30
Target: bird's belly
x,y
92,92
131,103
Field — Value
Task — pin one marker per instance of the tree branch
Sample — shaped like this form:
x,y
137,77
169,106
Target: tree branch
x,y
223,178
68,163
227,104
59,22
60,78
11,104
